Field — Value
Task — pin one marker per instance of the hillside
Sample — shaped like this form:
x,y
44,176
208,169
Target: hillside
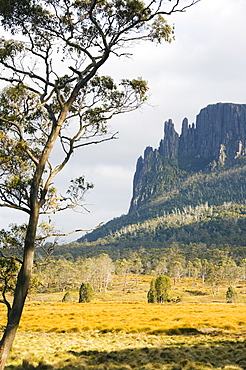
x,y
191,189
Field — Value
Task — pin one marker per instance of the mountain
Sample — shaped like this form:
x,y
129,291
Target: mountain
x,y
217,141
191,189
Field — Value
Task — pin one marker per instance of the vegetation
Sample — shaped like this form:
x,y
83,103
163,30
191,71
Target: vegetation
x,y
67,297
198,230
186,204
159,289
86,293
231,295
8,273
185,230
169,319
163,287
152,295
118,351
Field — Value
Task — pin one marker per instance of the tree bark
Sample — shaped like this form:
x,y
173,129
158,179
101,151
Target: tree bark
x,y
25,273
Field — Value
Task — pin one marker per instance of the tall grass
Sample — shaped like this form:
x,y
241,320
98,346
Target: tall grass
x,y
121,351
121,331
130,318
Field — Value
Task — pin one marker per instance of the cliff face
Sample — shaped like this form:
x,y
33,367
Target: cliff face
x,y
217,138
216,125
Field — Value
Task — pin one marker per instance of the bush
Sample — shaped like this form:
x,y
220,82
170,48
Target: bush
x,y
152,296
159,289
86,293
163,287
231,295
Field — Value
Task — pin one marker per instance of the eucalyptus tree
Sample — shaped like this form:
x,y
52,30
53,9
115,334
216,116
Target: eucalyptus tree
x,y
55,97
243,268
98,271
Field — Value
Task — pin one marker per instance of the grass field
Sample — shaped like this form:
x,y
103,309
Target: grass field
x,y
122,331
131,317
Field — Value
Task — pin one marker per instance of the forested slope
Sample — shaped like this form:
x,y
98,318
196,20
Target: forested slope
x,y
195,230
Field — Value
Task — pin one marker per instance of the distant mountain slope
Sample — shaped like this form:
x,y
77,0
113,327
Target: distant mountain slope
x,y
202,170
195,232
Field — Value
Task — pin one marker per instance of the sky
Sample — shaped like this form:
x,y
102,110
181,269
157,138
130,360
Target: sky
x,y
206,64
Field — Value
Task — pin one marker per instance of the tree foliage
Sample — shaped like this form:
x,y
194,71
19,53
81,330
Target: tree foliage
x,y
163,287
196,230
152,295
159,289
8,274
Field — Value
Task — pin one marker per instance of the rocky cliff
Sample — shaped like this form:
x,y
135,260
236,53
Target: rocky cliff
x,y
217,138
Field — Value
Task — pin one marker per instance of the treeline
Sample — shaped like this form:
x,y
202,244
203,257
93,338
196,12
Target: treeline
x,y
62,274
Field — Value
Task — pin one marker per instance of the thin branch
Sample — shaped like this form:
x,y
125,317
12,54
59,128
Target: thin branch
x,y
70,233
14,206
97,141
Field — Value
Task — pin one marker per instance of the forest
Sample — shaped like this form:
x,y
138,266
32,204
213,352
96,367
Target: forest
x,y
67,274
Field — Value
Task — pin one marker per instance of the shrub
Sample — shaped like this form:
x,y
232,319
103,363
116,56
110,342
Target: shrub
x,y
231,295
159,289
152,296
163,287
86,293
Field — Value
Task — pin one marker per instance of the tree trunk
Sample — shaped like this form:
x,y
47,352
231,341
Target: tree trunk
x,y
21,291
25,273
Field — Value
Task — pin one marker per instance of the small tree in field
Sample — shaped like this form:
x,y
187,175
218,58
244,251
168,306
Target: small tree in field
x,y
67,297
163,287
86,293
231,295
159,289
55,98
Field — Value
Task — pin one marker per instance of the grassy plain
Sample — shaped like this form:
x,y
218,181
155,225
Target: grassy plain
x,y
120,330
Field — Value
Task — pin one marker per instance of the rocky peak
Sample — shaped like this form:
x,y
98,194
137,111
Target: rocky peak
x,y
219,135
169,145
216,125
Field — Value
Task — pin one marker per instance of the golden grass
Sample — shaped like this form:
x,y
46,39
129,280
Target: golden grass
x,y
120,331
131,318
122,351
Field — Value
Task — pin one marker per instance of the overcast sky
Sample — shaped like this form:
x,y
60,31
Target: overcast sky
x,y
205,64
